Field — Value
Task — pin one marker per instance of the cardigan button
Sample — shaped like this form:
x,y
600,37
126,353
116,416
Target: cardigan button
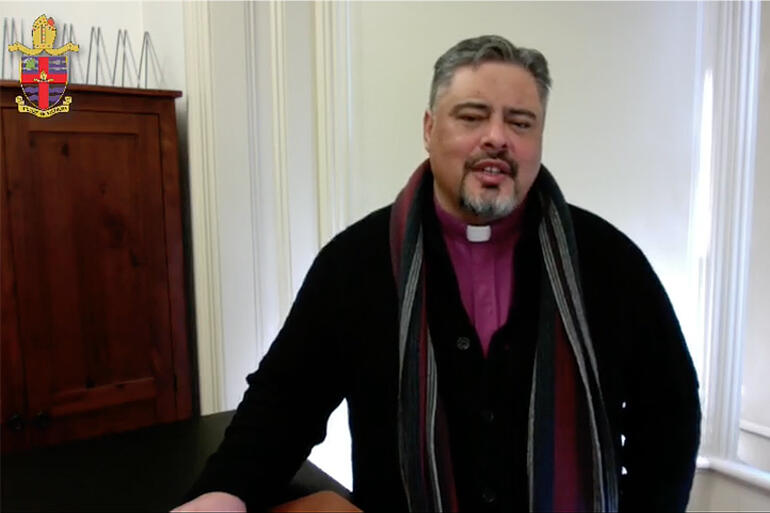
x,y
487,416
488,495
463,343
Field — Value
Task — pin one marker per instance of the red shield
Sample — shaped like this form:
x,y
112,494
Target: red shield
x,y
43,80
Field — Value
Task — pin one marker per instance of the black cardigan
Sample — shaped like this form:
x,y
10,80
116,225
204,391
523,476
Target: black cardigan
x,y
340,342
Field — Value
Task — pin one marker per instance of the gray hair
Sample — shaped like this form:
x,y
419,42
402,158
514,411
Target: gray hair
x,y
478,50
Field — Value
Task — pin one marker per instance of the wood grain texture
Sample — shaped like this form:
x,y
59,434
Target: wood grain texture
x,y
320,501
12,392
95,247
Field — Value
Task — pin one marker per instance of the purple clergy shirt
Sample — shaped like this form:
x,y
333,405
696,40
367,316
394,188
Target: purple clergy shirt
x,y
484,270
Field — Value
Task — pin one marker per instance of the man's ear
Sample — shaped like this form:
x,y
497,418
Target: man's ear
x,y
427,126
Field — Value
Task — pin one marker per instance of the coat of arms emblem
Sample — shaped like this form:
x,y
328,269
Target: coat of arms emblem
x,y
43,71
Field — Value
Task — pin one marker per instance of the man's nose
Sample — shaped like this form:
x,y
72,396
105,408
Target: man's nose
x,y
495,136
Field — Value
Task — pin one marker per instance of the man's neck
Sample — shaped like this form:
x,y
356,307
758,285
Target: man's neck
x,y
492,230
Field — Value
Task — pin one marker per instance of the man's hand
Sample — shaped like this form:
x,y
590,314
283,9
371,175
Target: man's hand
x,y
213,501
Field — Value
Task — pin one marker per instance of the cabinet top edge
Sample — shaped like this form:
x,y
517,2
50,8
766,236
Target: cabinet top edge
x,y
166,93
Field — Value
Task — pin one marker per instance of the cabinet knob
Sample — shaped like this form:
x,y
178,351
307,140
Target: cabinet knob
x,y
16,422
42,420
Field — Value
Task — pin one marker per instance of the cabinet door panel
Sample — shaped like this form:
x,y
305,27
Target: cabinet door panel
x,y
87,223
13,434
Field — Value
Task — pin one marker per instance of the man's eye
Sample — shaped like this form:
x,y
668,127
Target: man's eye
x,y
470,117
520,124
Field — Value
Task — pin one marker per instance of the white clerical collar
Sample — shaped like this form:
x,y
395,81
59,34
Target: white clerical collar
x,y
478,233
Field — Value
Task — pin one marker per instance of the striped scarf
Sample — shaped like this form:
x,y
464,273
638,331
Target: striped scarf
x,y
421,421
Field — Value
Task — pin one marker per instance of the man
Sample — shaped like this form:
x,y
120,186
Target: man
x,y
499,349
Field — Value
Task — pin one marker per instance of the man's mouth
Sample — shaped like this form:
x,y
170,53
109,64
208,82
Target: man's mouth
x,y
491,170
491,173
493,167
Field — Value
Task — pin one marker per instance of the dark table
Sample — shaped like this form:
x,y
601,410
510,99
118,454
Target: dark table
x,y
148,469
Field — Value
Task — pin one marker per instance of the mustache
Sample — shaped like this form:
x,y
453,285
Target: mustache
x,y
512,164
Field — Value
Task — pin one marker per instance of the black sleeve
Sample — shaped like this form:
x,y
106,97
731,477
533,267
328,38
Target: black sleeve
x,y
284,411
661,418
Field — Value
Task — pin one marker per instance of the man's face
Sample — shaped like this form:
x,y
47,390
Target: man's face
x,y
484,139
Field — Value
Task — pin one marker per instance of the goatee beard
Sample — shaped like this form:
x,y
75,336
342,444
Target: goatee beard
x,y
496,207
487,209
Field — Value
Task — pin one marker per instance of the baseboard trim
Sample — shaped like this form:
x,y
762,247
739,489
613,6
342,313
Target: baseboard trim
x,y
755,429
736,470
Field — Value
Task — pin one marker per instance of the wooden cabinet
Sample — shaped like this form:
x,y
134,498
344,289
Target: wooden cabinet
x,y
94,309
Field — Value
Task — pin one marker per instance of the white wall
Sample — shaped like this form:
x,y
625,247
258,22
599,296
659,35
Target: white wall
x,y
162,19
756,359
233,199
249,216
754,447
110,16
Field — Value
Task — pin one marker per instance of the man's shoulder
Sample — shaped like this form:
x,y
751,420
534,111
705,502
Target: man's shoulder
x,y
591,228
357,255
366,237
602,240
585,219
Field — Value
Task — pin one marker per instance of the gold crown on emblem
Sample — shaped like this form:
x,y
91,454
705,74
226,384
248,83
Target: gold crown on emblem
x,y
43,37
43,32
